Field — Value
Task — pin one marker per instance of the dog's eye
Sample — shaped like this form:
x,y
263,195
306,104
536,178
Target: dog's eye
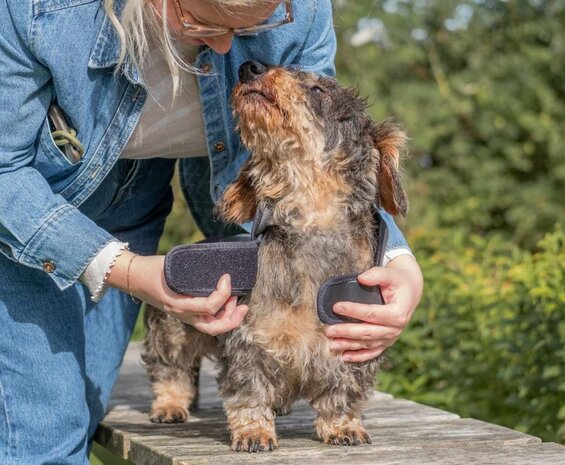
x,y
317,90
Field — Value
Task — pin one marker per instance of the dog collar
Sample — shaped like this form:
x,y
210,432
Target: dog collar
x,y
194,269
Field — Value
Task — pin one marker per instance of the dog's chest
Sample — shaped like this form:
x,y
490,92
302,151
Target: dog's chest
x,y
283,318
293,266
291,336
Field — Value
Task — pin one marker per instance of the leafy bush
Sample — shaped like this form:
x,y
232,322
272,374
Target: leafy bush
x,y
481,93
488,340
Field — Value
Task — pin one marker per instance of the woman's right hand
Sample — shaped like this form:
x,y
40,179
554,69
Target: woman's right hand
x,y
218,313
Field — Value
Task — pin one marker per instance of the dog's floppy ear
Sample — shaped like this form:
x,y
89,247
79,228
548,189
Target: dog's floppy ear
x,y
389,140
238,203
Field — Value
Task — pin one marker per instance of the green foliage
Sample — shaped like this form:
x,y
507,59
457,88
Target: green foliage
x,y
101,456
479,86
180,228
488,340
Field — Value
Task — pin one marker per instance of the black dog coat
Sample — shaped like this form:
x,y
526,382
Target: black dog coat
x,y
194,269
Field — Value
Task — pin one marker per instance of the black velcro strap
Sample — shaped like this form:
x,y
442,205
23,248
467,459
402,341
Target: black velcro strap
x,y
195,269
346,288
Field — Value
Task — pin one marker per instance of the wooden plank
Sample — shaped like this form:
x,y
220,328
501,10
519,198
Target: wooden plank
x,y
201,439
208,436
212,451
546,454
402,431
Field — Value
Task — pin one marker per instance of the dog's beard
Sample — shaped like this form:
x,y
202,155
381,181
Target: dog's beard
x,y
268,132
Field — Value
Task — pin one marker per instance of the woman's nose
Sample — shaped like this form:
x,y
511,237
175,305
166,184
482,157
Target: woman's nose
x,y
220,44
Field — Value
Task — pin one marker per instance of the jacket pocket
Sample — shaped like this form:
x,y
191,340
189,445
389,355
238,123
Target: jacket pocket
x,y
50,160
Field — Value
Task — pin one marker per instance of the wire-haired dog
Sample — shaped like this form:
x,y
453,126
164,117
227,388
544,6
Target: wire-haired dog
x,y
320,164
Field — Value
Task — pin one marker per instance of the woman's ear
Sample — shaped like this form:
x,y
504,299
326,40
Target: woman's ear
x,y
389,140
238,203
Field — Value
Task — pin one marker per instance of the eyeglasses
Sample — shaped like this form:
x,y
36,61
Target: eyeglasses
x,y
200,30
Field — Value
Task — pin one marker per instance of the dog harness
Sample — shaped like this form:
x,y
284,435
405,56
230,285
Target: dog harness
x,y
194,269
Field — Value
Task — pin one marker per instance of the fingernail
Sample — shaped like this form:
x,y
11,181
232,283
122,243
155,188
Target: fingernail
x,y
339,308
334,346
346,358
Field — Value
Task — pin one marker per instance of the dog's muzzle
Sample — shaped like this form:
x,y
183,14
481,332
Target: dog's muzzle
x,y
195,269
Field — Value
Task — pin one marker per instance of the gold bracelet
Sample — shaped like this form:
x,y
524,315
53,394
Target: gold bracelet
x,y
127,280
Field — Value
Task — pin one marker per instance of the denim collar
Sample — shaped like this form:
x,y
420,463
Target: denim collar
x,y
106,51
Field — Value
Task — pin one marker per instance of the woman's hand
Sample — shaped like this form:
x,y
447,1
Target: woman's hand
x,y
218,313
401,285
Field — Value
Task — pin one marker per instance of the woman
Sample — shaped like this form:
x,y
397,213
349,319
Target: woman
x,y
80,222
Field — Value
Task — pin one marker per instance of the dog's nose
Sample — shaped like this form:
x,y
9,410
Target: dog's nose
x,y
251,70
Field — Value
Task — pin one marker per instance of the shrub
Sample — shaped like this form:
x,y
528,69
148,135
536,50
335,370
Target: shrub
x,y
480,91
488,340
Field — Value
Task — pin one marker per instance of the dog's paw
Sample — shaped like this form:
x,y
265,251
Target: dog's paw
x,y
348,438
349,434
254,441
168,414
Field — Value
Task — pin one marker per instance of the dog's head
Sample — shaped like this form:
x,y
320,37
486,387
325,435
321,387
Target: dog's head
x,y
301,129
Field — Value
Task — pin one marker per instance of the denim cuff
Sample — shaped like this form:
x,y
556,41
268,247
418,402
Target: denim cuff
x,y
392,254
64,245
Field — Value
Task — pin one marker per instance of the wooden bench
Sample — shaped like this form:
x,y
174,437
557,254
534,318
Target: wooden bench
x,y
403,432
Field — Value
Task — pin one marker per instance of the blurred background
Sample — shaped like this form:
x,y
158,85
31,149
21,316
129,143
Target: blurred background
x,y
480,88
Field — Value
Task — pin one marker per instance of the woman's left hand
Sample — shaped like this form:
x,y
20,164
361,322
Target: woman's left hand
x,y
401,284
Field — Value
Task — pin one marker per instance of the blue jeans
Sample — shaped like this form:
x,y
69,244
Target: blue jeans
x,y
59,352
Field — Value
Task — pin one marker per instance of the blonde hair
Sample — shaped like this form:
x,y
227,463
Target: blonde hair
x,y
140,21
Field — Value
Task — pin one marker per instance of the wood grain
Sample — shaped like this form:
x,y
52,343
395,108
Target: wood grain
x,y
403,432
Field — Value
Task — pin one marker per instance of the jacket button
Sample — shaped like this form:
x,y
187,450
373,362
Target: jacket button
x,y
48,267
219,146
206,67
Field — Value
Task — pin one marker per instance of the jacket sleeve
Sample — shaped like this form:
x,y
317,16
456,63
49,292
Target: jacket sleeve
x,y
37,227
395,238
318,55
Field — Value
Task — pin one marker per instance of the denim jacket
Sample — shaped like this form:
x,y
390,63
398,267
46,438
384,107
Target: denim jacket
x,y
67,50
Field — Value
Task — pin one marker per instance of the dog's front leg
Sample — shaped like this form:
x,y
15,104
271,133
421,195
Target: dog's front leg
x,y
339,408
246,383
252,427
